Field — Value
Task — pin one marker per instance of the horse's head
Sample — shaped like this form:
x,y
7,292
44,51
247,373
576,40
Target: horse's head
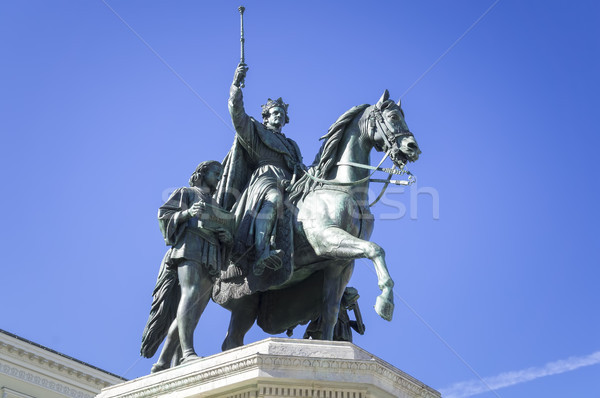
x,y
389,133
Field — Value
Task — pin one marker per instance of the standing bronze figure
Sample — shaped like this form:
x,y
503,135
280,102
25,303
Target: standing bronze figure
x,y
199,246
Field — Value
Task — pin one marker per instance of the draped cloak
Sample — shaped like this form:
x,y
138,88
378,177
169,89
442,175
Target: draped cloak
x,y
257,162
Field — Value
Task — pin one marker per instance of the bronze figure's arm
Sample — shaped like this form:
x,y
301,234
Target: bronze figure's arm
x,y
236,102
242,123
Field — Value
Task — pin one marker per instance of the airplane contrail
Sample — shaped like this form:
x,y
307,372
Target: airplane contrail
x,y
473,387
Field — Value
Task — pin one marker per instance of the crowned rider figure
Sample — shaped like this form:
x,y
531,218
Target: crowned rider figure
x,y
260,165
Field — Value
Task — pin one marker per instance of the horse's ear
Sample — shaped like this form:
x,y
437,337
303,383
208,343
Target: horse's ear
x,y
399,103
384,97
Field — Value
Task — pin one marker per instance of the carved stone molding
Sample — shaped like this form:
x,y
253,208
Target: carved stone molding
x,y
37,365
50,365
280,368
6,392
32,378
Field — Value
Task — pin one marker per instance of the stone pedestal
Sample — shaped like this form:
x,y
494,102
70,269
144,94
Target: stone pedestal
x,y
278,367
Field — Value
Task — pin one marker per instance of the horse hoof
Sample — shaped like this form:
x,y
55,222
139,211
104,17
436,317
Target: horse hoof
x,y
384,308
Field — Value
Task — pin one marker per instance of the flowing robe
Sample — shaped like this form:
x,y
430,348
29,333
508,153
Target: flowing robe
x,y
257,162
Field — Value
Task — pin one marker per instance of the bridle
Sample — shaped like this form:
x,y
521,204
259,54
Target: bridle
x,y
375,120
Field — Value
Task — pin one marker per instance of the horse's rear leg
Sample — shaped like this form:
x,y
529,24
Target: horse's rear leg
x,y
242,318
335,279
336,243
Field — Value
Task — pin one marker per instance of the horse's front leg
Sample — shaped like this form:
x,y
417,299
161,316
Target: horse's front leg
x,y
336,243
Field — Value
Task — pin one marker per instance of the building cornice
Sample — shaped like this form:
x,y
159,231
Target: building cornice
x,y
33,363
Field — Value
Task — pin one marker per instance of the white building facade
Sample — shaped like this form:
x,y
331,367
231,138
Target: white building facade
x,y
30,370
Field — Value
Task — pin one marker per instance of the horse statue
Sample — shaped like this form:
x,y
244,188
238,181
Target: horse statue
x,y
332,227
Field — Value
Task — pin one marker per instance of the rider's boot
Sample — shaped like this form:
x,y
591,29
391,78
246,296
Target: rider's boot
x,y
268,259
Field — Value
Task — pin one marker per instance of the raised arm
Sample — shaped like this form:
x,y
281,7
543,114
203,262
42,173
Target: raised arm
x,y
236,103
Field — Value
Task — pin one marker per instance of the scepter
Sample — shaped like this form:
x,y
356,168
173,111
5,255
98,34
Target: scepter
x,y
241,9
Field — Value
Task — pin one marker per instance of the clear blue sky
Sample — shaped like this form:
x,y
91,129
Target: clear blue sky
x,y
96,128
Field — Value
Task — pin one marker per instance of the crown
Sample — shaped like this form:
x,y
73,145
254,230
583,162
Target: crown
x,y
274,103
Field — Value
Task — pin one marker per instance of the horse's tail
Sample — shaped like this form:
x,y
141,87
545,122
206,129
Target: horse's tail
x,y
165,299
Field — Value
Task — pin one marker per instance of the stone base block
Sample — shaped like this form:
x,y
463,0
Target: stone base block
x,y
278,367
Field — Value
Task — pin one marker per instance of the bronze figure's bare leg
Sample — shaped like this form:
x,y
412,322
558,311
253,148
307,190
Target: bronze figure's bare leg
x,y
336,243
169,349
196,286
195,292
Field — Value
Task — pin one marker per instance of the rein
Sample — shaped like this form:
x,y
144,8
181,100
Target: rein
x,y
411,178
351,183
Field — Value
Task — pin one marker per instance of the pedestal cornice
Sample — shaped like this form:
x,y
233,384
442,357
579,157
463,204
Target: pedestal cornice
x,y
286,367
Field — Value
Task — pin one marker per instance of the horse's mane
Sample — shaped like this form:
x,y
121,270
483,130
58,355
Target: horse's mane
x,y
324,161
